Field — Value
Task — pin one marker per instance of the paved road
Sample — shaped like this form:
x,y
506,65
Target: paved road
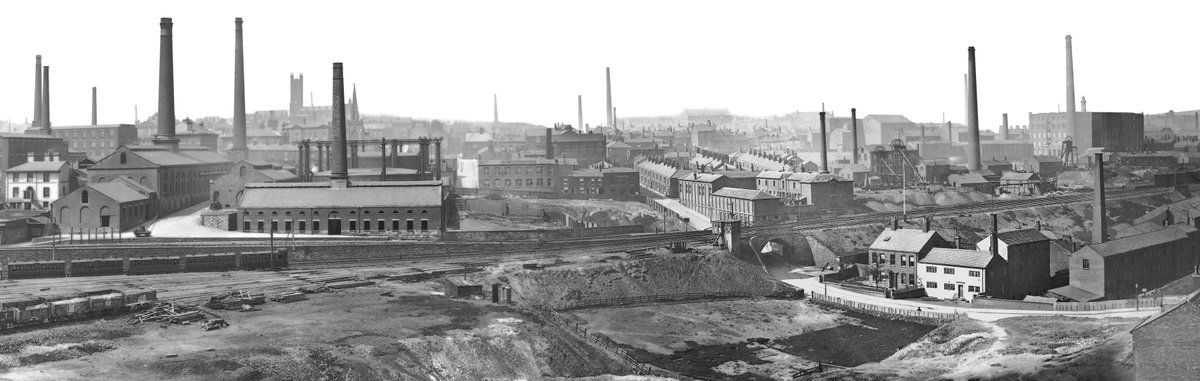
x,y
985,314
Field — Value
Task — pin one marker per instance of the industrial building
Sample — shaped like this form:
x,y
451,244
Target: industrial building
x,y
97,141
527,175
615,183
227,190
1112,131
1164,347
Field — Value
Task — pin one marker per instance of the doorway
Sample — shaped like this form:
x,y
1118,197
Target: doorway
x,y
335,226
960,296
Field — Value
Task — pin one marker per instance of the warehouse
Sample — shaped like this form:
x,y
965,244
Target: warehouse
x,y
363,207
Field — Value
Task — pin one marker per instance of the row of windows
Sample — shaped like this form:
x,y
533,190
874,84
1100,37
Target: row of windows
x,y
513,170
105,144
29,176
302,226
951,287
67,134
890,259
950,271
334,213
516,182
16,192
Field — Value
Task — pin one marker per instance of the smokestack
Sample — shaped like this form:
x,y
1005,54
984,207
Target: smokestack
x,y
580,108
973,161
1070,90
608,97
339,175
854,133
549,143
824,146
1039,225
238,152
166,89
1099,221
93,105
895,224
1004,127
45,126
995,234
495,109
950,132
928,222
37,92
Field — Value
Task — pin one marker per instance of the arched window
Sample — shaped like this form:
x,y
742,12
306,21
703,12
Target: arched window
x,y
242,172
410,211
287,213
424,212
303,213
83,197
122,158
260,213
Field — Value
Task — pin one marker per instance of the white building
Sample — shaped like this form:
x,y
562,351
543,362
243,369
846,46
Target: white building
x,y
958,273
36,184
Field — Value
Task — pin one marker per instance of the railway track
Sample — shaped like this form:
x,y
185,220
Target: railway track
x,y
599,245
963,209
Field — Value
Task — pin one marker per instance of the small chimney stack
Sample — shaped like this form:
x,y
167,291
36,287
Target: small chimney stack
x,y
549,143
854,134
895,224
166,89
93,105
1039,225
1099,220
928,222
824,146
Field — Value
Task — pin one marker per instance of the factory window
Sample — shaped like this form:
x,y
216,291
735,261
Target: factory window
x,y
246,226
287,226
83,198
948,270
260,226
274,225
316,226
395,225
1086,264
409,225
424,212
410,211
122,158
974,273
353,225
302,225
424,225
931,269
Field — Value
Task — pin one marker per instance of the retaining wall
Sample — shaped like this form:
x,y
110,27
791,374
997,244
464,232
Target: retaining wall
x,y
538,235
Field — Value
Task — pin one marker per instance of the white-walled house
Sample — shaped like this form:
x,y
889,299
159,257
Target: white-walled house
x,y
960,273
36,184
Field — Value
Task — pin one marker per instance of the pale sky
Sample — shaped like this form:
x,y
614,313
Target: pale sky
x,y
445,59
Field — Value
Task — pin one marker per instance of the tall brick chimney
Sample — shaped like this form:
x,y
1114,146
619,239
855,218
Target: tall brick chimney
x,y
1004,127
1099,220
37,92
339,175
580,109
973,162
1070,90
824,146
166,90
93,105
549,143
608,98
44,128
238,151
854,134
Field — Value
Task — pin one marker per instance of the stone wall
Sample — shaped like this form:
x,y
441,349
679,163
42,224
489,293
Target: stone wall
x,y
218,219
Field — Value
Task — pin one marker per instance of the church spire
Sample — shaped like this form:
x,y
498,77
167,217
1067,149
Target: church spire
x,y
354,104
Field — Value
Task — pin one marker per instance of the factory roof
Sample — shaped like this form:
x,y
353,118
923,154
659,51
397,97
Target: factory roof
x,y
529,161
809,177
278,174
1018,176
386,194
619,145
967,178
586,173
887,118
744,194
957,257
26,136
90,126
773,175
1131,243
903,240
119,192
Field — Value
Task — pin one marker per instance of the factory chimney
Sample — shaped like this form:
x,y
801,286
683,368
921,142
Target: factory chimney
x,y
166,90
608,98
238,151
972,113
928,222
824,146
1099,221
44,129
854,133
1070,90
549,143
37,93
93,105
339,175
1004,127
995,234
580,109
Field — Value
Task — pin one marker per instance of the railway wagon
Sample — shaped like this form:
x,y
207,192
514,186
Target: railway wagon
x,y
262,260
142,266
34,270
97,267
107,301
70,306
210,262
140,295
40,310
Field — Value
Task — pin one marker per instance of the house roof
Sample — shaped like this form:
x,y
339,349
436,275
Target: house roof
x,y
1127,244
1075,293
392,194
39,166
1023,236
119,192
744,194
1141,228
958,258
905,240
773,175
1017,176
1192,300
586,173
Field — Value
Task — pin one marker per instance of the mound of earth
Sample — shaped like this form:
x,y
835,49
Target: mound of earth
x,y
559,287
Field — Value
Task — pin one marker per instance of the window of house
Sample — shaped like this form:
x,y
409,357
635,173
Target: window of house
x,y
903,278
892,259
974,273
948,286
973,288
948,270
46,192
904,260
46,177
16,192
1086,264
930,284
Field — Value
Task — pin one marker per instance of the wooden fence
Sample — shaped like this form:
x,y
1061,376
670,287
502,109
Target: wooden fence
x,y
1147,302
654,299
923,317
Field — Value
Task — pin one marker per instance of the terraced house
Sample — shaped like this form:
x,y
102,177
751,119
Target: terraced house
x,y
894,255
